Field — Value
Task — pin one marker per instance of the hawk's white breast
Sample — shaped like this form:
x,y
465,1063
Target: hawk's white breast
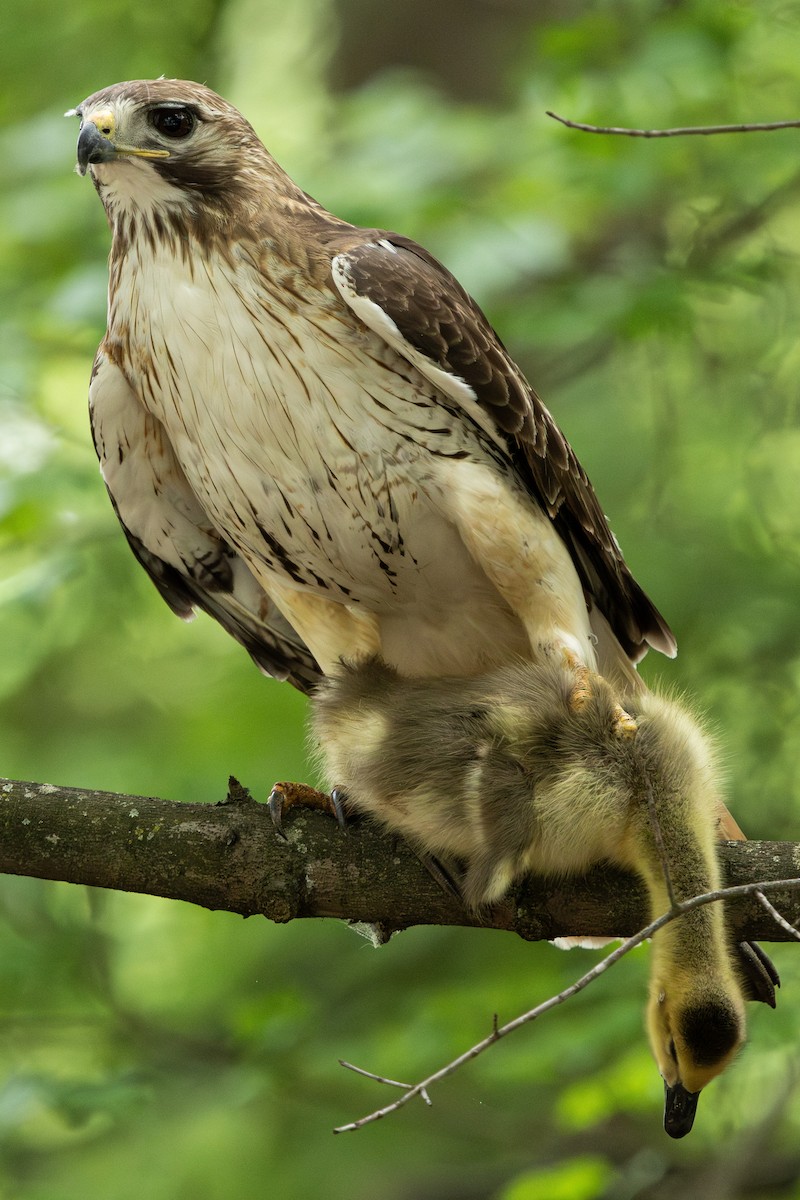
x,y
332,464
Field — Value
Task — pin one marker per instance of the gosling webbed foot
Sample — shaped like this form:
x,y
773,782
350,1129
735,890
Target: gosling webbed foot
x,y
760,977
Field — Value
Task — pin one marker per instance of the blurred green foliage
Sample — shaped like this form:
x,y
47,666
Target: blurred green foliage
x,y
652,292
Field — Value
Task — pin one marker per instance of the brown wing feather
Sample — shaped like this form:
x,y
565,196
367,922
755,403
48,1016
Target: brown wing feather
x,y
269,640
189,562
440,320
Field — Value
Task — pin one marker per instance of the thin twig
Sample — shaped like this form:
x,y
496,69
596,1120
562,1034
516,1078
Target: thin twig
x,y
382,1079
679,131
371,1075
451,1067
776,916
745,889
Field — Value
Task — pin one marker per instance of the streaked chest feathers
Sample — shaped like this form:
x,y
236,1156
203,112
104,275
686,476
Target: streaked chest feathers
x,y
312,445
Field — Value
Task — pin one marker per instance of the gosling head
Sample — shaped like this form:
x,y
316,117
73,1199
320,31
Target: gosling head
x,y
694,1035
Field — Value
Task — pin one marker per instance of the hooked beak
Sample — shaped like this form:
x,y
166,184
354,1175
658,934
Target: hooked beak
x,y
93,147
679,1109
97,143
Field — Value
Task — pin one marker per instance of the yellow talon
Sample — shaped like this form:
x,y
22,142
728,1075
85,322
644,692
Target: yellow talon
x,y
581,692
623,723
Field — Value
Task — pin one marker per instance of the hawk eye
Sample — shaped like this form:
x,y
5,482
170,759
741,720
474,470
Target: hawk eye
x,y
173,122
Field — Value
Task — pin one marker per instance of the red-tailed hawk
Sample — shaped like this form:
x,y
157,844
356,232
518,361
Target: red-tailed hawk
x,y
311,431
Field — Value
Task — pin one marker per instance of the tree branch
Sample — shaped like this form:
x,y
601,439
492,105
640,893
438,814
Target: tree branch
x,y
228,856
678,131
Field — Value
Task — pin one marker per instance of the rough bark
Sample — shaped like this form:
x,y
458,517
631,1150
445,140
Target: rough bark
x,y
228,856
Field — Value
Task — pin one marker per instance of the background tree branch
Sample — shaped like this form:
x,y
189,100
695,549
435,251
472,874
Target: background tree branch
x,y
228,856
678,131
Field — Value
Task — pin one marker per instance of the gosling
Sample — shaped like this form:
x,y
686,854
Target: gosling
x,y
537,768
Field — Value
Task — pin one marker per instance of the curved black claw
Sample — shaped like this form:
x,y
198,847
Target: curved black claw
x,y
275,806
339,806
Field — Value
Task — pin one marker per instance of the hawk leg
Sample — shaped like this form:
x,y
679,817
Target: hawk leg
x,y
289,795
517,547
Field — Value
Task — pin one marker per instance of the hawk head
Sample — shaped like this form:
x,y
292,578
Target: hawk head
x,y
172,143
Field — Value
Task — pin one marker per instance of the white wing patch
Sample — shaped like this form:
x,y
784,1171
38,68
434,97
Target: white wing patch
x,y
381,323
